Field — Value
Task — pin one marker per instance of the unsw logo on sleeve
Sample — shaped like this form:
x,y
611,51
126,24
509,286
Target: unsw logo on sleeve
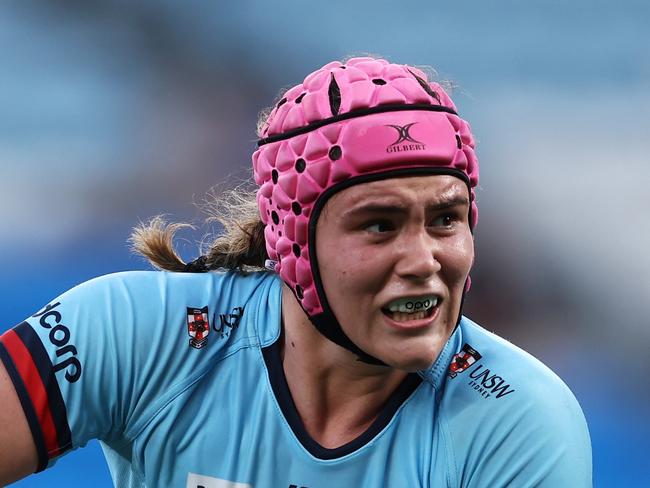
x,y
198,324
481,379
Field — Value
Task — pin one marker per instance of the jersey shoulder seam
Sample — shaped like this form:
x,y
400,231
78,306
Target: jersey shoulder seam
x,y
452,467
178,388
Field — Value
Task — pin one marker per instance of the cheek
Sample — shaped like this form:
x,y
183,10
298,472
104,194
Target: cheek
x,y
353,268
352,275
460,257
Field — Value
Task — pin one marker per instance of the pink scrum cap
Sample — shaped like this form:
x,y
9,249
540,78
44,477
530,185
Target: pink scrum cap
x,y
346,124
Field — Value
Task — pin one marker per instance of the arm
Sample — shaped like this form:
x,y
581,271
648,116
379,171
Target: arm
x,y
55,387
97,362
544,452
540,440
510,421
17,449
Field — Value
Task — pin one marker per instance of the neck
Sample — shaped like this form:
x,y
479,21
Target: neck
x,y
336,395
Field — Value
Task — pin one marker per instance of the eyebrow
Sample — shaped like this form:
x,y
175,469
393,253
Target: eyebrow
x,y
380,208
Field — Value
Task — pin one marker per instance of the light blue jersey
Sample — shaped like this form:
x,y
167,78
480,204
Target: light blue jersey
x,y
179,376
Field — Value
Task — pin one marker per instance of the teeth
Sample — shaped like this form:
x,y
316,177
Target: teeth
x,y
411,305
405,317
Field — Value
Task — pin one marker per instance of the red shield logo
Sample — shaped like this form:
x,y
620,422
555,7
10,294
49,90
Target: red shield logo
x,y
198,326
463,360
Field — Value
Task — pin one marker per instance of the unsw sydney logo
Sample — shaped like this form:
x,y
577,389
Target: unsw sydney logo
x,y
481,379
198,324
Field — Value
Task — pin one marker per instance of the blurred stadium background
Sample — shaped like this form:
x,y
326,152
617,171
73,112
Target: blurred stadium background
x,y
112,111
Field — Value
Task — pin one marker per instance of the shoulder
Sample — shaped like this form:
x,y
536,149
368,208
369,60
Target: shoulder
x,y
495,369
116,349
134,316
499,399
143,282
164,297
142,289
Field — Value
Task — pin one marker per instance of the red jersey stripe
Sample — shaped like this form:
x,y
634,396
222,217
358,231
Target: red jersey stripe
x,y
38,395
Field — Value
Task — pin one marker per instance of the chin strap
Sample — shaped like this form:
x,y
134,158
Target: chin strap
x,y
327,325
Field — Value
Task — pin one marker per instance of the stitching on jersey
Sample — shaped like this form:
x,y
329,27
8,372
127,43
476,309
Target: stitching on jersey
x,y
172,396
178,388
452,467
246,342
255,312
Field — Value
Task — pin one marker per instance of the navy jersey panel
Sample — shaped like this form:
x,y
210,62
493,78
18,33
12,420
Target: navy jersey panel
x,y
171,371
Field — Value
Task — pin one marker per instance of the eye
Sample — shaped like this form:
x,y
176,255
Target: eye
x,y
444,220
379,227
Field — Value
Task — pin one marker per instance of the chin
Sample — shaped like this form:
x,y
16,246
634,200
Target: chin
x,y
412,363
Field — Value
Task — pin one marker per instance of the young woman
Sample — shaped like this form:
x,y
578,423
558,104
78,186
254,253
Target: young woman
x,y
320,341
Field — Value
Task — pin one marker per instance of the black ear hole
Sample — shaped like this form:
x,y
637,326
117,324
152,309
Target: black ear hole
x,y
281,102
296,250
459,142
335,153
274,176
297,209
274,216
334,93
379,81
299,292
300,165
300,97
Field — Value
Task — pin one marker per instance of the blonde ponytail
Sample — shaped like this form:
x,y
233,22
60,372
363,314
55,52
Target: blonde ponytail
x,y
240,247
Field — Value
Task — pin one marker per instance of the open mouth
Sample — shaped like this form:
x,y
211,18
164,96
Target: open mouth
x,y
411,308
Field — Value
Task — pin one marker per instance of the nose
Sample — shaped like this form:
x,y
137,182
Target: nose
x,y
417,256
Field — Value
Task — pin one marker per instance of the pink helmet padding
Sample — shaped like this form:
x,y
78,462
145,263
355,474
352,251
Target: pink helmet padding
x,y
294,172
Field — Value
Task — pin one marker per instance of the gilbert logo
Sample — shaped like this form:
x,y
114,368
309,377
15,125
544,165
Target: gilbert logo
x,y
404,137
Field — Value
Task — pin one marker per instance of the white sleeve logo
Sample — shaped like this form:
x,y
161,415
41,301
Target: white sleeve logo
x,y
199,481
